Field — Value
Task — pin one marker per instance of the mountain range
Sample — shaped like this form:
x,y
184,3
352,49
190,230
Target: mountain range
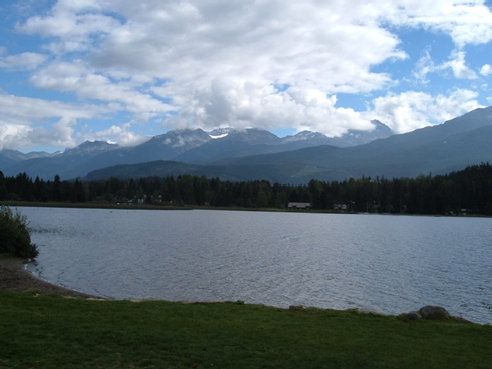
x,y
258,154
188,146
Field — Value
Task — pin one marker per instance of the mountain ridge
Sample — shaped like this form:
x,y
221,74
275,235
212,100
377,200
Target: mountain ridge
x,y
194,146
453,145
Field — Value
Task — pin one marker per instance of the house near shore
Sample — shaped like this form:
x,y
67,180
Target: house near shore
x,y
340,207
299,205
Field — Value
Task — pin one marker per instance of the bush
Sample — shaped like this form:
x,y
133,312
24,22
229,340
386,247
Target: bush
x,y
14,236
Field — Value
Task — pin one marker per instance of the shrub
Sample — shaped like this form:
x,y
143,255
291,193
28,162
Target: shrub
x,y
14,236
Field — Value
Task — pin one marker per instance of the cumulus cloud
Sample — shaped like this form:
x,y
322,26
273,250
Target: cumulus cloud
x,y
13,135
121,134
22,61
60,133
467,22
220,64
75,77
486,70
197,48
27,120
73,23
411,110
245,104
198,42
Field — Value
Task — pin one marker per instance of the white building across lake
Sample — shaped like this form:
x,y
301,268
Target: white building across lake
x,y
299,205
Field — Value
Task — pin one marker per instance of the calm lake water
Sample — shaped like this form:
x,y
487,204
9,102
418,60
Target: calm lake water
x,y
382,263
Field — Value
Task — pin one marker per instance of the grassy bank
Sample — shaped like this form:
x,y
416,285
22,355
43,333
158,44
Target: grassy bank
x,y
53,332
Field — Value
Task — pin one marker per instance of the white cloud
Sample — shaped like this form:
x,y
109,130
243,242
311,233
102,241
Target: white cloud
x,y
22,61
13,135
486,70
220,63
121,134
59,134
195,43
412,110
28,121
25,108
456,63
203,41
73,23
75,77
423,67
243,104
467,22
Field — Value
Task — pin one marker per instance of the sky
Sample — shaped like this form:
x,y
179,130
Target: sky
x,y
125,70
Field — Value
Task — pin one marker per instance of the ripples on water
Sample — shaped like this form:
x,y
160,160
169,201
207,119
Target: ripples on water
x,y
388,264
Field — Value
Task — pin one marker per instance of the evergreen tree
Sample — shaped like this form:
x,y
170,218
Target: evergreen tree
x,y
56,188
3,187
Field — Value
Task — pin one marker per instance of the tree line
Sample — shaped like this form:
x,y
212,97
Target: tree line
x,y
465,191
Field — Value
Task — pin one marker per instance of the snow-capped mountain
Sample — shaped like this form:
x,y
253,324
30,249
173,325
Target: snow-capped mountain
x,y
188,146
351,138
219,133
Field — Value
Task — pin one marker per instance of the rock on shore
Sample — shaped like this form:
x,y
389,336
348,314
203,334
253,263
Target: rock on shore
x,y
430,312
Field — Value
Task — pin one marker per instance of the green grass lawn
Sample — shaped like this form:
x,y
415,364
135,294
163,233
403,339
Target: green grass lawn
x,y
54,332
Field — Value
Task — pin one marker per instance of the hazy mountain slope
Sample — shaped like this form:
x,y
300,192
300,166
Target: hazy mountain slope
x,y
190,146
9,158
329,163
157,168
68,164
434,134
453,145
286,169
169,145
89,156
161,147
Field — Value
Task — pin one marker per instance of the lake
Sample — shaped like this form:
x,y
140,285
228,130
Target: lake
x,y
382,263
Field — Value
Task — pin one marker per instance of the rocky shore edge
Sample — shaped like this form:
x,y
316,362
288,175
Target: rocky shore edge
x,y
14,277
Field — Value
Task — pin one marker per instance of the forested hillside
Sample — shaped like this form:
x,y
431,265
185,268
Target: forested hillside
x,y
466,191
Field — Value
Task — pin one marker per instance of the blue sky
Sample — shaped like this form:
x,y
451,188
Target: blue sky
x,y
122,71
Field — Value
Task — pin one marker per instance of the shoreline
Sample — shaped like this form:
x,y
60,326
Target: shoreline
x,y
14,277
123,206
